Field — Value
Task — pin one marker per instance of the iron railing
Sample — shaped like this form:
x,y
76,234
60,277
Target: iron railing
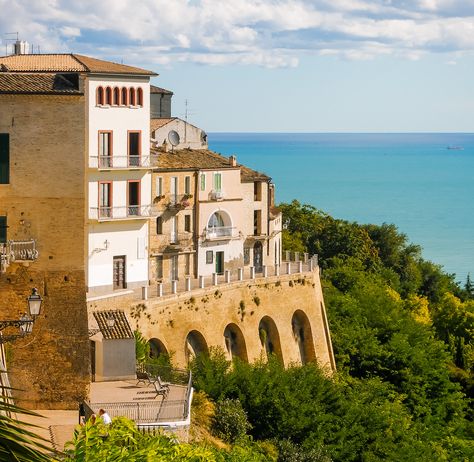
x,y
107,162
117,213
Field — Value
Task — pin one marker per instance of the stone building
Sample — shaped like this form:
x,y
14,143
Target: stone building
x,y
75,192
213,215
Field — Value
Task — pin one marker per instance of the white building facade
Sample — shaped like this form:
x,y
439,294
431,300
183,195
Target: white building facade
x,y
119,181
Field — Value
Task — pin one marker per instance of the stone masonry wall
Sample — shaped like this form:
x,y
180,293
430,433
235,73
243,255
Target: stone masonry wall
x,y
244,304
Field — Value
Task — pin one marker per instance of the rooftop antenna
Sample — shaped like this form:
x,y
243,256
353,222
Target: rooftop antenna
x,y
10,39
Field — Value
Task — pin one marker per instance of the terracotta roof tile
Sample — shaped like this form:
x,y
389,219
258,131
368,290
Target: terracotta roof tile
x,y
121,329
202,159
155,89
66,63
158,123
37,84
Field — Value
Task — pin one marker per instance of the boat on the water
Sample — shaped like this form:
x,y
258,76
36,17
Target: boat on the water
x,y
455,148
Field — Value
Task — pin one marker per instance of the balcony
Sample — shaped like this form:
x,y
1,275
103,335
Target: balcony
x,y
176,241
178,202
119,162
216,195
217,233
119,213
17,251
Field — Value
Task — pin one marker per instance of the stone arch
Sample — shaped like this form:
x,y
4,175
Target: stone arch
x,y
195,344
303,336
235,342
269,337
157,348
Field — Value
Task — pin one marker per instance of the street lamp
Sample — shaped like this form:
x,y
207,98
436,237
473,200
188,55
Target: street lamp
x,y
25,323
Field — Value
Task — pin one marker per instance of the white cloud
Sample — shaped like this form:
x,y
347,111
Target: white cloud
x,y
264,32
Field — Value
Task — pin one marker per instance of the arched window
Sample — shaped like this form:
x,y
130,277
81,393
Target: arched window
x,y
216,221
133,101
108,96
100,96
116,96
140,97
124,97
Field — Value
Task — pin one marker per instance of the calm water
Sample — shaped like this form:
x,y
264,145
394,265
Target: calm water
x,y
411,180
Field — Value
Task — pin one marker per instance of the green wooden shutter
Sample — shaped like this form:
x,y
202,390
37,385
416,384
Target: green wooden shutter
x,y
4,158
3,229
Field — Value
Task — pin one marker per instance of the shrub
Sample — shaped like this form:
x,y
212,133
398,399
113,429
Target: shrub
x,y
230,421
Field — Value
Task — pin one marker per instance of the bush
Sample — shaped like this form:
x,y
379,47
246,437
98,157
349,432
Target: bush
x,y
230,421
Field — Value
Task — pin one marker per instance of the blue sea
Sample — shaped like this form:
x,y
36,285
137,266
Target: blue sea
x,y
411,180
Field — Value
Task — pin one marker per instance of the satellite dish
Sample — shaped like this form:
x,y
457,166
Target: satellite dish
x,y
173,137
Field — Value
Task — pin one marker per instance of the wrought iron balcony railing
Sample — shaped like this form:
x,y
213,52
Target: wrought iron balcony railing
x,y
119,162
178,201
119,213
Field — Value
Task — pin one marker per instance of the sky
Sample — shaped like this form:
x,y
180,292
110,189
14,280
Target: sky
x,y
278,65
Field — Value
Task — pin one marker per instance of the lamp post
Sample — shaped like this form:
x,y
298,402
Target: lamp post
x,y
25,323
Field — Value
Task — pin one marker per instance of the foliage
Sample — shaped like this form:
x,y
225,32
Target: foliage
x,y
121,441
142,347
18,441
230,421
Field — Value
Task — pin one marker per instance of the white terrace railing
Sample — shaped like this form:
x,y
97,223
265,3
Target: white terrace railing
x,y
124,162
119,213
220,232
247,273
18,251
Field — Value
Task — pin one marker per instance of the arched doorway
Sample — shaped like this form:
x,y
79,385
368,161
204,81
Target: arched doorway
x,y
258,257
269,337
195,345
235,342
303,336
157,348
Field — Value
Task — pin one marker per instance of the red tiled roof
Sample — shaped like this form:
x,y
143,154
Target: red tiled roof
x,y
37,84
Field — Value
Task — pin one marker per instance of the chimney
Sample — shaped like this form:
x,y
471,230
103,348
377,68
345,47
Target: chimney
x,y
233,161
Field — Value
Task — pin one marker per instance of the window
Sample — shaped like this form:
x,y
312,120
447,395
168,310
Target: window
x,y
108,96
116,101
105,199
217,181
257,218
187,185
246,256
100,96
209,256
216,221
140,97
187,223
132,101
124,100
4,158
134,148
105,149
3,229
257,191
203,181
133,198
159,186
159,225
159,267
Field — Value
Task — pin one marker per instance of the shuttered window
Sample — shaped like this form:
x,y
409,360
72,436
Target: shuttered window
x,y
4,158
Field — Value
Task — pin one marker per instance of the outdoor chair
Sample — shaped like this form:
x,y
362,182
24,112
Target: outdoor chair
x,y
162,384
145,378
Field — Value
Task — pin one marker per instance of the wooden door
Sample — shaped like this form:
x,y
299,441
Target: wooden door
x,y
119,273
219,262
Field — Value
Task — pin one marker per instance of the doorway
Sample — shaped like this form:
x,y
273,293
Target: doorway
x,y
119,272
220,262
258,256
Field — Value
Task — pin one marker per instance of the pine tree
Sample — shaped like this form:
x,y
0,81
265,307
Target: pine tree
x,y
469,287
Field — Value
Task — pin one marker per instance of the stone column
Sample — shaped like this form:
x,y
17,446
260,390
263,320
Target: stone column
x,y
240,274
214,279
188,283
288,267
252,272
277,270
201,282
300,266
227,276
144,293
174,286
159,289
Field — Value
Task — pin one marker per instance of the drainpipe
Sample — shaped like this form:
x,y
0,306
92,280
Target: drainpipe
x,y
196,222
